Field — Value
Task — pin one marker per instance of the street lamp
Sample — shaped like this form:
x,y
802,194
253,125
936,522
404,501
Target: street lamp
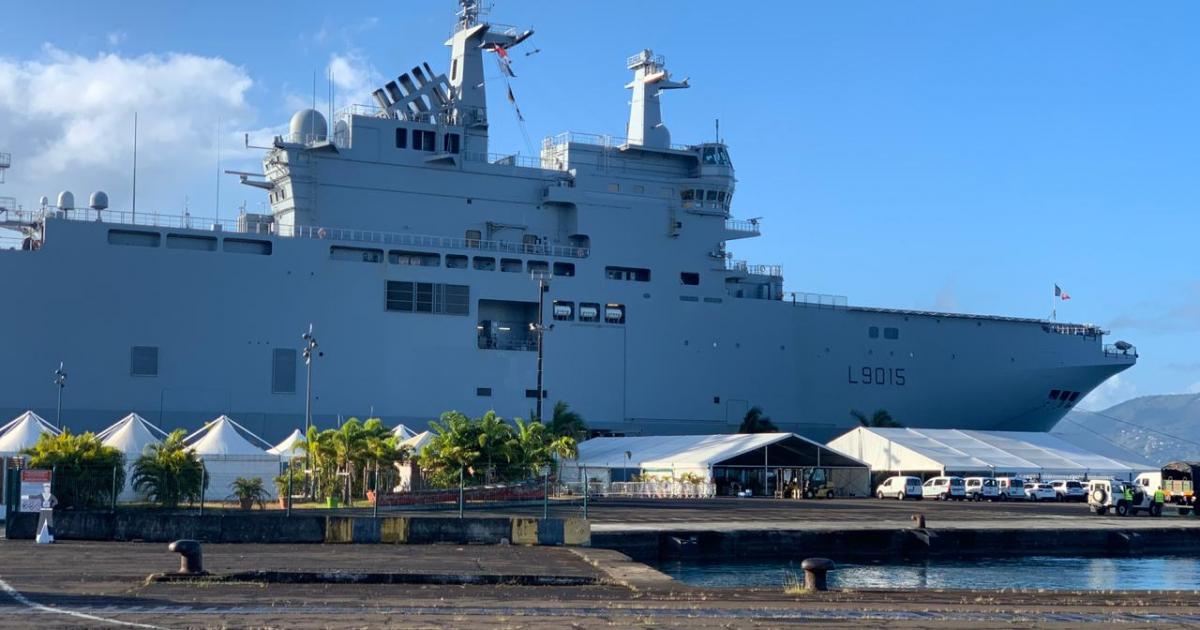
x,y
60,379
539,329
310,350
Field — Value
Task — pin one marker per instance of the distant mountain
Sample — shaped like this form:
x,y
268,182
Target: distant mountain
x,y
1161,428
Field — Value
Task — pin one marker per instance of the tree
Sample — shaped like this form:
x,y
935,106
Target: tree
x,y
755,422
498,449
86,473
532,446
170,473
881,418
565,422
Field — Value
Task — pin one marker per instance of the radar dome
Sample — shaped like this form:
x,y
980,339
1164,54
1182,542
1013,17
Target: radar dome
x,y
98,200
308,125
66,201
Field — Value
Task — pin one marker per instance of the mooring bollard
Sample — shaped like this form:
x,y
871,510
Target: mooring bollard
x,y
919,519
814,573
190,556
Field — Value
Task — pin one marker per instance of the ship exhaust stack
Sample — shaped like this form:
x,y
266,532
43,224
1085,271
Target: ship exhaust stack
x,y
650,78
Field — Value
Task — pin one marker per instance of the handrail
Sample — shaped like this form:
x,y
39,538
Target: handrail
x,y
818,300
596,139
740,225
1111,350
239,226
754,270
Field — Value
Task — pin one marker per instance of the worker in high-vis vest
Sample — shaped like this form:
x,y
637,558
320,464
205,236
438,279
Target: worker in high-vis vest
x,y
1128,494
1159,497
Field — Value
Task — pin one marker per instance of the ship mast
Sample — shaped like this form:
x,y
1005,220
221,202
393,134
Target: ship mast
x,y
471,39
650,77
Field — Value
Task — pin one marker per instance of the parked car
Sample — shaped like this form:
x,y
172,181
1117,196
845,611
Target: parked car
x,y
1039,492
1011,488
1068,490
982,489
900,487
944,489
1109,494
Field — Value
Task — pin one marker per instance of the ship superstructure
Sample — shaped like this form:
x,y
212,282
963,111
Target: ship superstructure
x,y
412,250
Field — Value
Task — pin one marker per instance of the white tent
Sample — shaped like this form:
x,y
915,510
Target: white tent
x,y
403,433
290,447
954,451
23,432
131,435
228,454
418,442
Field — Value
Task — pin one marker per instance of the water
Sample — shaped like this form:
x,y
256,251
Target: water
x,y
1036,572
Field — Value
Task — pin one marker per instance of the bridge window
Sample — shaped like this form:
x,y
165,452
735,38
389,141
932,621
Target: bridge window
x,y
450,143
423,140
690,278
401,138
627,273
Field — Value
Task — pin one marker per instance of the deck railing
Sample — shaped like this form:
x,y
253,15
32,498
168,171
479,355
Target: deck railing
x,y
1111,350
817,300
754,270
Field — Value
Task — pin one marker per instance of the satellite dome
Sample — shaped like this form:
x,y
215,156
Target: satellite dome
x,y
308,125
98,200
66,201
44,201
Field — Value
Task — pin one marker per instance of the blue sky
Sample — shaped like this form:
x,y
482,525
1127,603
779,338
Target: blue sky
x,y
934,155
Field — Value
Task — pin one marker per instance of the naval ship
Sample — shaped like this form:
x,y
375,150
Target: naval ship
x,y
428,267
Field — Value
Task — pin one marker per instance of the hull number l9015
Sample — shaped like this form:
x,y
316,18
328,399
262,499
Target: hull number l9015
x,y
868,375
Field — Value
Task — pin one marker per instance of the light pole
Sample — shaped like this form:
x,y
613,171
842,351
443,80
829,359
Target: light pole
x,y
539,329
60,379
310,352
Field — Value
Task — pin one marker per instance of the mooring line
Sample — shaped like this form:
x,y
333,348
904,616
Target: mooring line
x,y
25,601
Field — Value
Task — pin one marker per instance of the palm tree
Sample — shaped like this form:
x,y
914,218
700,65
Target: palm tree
x,y
86,472
566,422
493,435
881,418
169,472
755,422
532,447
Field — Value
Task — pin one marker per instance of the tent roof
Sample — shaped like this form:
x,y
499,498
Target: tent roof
x,y
290,446
700,451
131,435
403,432
964,451
23,432
418,442
223,436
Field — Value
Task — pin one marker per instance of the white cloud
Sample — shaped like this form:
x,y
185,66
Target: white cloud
x,y
354,78
68,120
947,297
1115,390
1194,388
116,38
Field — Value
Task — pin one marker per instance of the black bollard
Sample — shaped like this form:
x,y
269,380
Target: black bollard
x,y
190,557
919,519
814,573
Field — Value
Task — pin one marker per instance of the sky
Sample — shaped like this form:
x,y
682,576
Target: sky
x,y
951,156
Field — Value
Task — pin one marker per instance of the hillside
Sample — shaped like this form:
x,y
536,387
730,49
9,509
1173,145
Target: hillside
x,y
1147,425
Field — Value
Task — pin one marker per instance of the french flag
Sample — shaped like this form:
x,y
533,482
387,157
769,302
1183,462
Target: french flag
x,y
1059,292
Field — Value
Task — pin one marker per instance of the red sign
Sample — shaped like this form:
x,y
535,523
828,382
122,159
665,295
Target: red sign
x,y
35,475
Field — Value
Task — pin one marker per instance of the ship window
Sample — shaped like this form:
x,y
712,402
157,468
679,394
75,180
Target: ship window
x,y
639,188
712,195
614,188
891,333
143,361
247,246
688,298
532,393
457,299
399,296
564,311
627,273
283,371
132,237
194,243
688,195
456,261
529,243
510,265
614,313
424,294
1074,396
1054,394
454,70
485,263
538,266
483,391
356,254
423,140
690,278
450,143
712,300
589,312
473,237
873,332
414,259
721,196
564,269
426,297
401,138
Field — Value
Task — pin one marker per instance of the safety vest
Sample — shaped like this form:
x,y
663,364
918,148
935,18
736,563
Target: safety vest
x,y
1159,497
1128,494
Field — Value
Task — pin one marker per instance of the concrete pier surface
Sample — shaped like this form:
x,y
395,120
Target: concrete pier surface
x,y
101,584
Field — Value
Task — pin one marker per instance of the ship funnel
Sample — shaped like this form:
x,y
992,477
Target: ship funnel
x,y
66,200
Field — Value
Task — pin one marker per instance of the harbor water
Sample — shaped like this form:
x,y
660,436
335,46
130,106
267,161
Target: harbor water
x,y
1037,572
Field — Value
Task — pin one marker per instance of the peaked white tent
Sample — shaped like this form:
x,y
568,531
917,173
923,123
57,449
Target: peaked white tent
x,y
961,452
290,447
227,452
23,432
418,442
403,433
131,435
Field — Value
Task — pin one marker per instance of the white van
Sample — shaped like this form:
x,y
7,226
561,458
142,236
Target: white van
x,y
944,489
900,487
1011,488
982,489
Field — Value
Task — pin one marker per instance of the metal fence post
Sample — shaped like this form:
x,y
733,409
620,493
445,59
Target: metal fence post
x,y
112,505
375,508
202,471
546,494
585,493
460,492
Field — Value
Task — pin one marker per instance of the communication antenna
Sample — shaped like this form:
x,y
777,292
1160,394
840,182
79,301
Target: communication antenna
x,y
133,212
218,202
6,203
